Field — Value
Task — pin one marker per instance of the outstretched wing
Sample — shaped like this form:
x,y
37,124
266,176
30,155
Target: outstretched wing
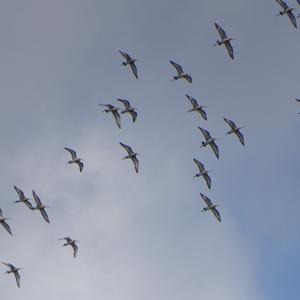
x,y
282,4
216,214
72,152
66,238
230,123
1,215
298,100
200,165
117,118
202,113
126,103
240,137
221,31
36,199
188,78
206,200
193,101
75,249
128,148
109,106
80,165
136,163
177,67
44,214
17,276
20,193
292,18
208,180
230,49
6,226
205,133
134,115
215,148
125,55
134,69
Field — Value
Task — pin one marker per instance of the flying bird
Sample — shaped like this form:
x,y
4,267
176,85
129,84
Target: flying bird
x,y
114,110
287,11
209,141
180,73
72,243
132,155
40,206
211,207
15,271
128,109
3,223
224,40
196,107
236,130
203,173
129,61
75,159
22,198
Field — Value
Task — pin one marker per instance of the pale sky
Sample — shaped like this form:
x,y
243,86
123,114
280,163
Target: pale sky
x,y
143,236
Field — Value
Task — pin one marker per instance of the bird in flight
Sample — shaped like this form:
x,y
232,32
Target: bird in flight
x,y
15,271
132,155
210,206
236,130
209,141
3,223
40,206
72,243
224,40
287,11
22,198
75,159
128,109
114,110
196,107
129,61
180,73
203,172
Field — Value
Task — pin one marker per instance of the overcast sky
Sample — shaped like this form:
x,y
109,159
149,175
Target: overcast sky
x,y
143,236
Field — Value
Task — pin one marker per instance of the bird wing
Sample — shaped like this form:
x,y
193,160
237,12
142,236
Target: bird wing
x,y
36,199
221,31
75,248
117,118
72,152
17,276
1,215
128,148
136,163
208,180
80,165
9,265
202,113
206,200
230,123
281,3
292,18
240,137
193,101
66,238
298,100
134,115
177,67
199,164
205,133
109,106
188,78
126,103
44,214
230,49
298,1
20,193
216,214
125,55
134,69
28,204
6,226
215,148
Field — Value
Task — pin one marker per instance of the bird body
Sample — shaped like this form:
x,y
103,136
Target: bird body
x,y
131,155
4,223
72,243
180,73
15,271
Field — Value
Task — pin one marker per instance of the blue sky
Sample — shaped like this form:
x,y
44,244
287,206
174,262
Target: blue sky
x,y
144,236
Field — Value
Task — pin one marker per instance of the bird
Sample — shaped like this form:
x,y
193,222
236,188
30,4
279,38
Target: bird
x,y
180,73
3,223
72,243
129,61
132,155
15,271
114,111
40,206
224,40
128,109
196,107
236,130
209,141
75,159
298,100
203,172
211,207
287,11
23,198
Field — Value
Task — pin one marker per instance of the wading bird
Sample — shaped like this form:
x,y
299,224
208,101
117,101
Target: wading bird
x,y
211,207
235,130
287,11
75,159
22,198
129,61
72,243
209,141
13,270
40,206
196,107
203,173
114,110
224,40
128,109
3,223
180,73
132,155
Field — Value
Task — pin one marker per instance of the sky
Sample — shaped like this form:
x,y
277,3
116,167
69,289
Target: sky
x,y
143,236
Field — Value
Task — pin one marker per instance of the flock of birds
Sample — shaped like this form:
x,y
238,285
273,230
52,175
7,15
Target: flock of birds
x,y
109,108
